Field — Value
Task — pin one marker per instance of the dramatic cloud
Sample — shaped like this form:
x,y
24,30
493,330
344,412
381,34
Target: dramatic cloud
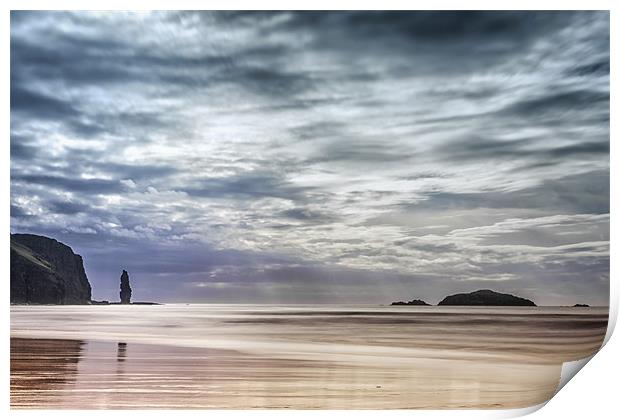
x,y
317,156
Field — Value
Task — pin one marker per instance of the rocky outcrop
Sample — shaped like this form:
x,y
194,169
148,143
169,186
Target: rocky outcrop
x,y
99,302
411,302
45,271
581,305
485,298
125,288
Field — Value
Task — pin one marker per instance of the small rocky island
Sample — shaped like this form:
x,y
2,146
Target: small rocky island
x,y
581,305
485,297
417,302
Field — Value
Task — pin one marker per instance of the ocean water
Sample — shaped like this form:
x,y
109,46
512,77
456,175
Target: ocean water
x,y
266,356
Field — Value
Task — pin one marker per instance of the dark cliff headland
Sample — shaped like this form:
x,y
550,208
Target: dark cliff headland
x,y
45,271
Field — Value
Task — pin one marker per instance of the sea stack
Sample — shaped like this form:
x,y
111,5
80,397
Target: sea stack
x,y
125,288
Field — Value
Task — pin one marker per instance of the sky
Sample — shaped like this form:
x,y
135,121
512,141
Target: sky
x,y
317,157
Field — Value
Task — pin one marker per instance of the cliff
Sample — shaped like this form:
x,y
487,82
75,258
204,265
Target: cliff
x,y
45,271
485,298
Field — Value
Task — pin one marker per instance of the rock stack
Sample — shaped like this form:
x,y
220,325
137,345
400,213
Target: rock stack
x,y
125,288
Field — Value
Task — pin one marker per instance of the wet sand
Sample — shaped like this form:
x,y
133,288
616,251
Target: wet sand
x,y
296,358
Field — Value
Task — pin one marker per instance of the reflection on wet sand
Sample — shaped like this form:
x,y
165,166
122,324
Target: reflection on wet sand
x,y
172,377
239,358
121,352
48,366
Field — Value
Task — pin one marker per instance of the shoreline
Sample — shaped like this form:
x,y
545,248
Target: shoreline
x,y
252,356
317,305
90,374
310,329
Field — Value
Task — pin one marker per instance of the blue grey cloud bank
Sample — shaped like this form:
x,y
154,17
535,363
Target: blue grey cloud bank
x,y
302,157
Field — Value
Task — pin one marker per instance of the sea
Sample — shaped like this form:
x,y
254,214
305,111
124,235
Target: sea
x,y
295,356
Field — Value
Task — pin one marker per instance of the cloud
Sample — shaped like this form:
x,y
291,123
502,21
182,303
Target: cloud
x,y
248,185
596,68
577,194
558,104
88,186
19,213
21,148
67,207
317,156
307,215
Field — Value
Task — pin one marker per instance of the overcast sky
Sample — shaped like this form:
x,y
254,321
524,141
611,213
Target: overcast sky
x,y
317,157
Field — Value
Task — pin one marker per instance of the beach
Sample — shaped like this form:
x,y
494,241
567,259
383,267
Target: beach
x,y
306,357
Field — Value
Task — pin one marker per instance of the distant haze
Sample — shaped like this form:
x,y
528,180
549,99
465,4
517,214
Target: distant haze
x,y
317,157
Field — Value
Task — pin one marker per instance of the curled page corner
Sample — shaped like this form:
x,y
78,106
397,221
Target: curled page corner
x,y
611,320
520,412
508,413
570,369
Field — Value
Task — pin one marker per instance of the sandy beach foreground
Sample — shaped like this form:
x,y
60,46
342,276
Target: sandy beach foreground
x,y
209,356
